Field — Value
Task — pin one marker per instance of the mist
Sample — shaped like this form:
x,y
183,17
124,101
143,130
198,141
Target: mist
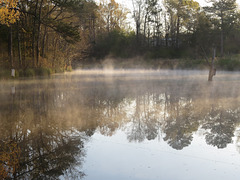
x,y
90,114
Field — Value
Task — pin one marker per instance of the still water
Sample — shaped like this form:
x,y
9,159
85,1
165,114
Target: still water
x,y
120,125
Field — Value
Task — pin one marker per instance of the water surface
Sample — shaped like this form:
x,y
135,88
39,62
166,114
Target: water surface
x,y
143,125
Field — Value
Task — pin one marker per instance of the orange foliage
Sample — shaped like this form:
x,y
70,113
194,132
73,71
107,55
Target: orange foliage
x,y
9,159
8,12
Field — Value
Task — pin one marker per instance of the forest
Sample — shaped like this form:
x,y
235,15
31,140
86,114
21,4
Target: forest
x,y
39,37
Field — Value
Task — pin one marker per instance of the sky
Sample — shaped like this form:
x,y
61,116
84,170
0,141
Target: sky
x,y
128,4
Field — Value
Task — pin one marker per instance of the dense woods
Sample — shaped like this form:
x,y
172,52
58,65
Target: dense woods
x,y
57,34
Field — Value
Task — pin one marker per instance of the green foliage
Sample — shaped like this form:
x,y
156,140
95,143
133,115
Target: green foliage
x,y
116,43
4,33
5,73
59,70
29,73
229,63
68,32
192,64
163,52
16,74
69,68
21,73
42,71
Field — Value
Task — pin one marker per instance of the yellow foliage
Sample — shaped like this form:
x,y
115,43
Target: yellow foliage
x,y
9,159
8,12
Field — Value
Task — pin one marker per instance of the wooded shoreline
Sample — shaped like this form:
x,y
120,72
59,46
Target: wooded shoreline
x,y
41,37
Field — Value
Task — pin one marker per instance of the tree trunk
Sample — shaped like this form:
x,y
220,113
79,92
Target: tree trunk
x,y
137,30
54,52
33,35
43,41
33,44
166,30
10,44
108,23
212,70
144,28
222,42
166,39
172,30
94,30
38,33
19,46
177,37
24,50
221,33
138,23
148,35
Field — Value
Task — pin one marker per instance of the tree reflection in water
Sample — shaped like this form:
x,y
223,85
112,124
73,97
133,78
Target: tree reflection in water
x,y
49,147
221,125
52,120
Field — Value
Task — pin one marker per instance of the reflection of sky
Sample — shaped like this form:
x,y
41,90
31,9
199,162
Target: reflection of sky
x,y
104,101
115,158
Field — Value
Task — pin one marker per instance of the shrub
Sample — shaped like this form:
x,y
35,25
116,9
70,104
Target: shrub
x,y
5,73
229,64
16,74
43,71
29,73
59,70
69,68
21,73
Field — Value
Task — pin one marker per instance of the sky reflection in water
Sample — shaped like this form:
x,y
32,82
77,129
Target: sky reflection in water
x,y
123,125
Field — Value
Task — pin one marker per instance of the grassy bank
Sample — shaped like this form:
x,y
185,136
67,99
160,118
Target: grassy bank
x,y
227,63
140,63
31,72
230,63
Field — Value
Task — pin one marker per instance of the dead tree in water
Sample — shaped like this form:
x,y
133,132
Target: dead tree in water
x,y
212,69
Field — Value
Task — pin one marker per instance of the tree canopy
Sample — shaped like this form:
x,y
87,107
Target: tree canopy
x,y
8,13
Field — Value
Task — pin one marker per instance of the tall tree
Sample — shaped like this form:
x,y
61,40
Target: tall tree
x,y
138,15
112,14
8,16
152,18
182,17
8,13
223,16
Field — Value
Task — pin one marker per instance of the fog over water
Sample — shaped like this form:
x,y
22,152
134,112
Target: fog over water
x,y
122,124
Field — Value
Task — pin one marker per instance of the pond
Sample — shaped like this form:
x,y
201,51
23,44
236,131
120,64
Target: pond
x,y
126,124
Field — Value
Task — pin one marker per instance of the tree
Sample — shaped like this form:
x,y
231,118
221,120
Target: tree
x,y
112,15
8,16
221,126
137,15
152,18
223,16
182,16
8,13
180,123
9,159
43,22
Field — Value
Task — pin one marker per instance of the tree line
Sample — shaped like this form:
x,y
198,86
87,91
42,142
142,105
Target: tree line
x,y
57,33
178,28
